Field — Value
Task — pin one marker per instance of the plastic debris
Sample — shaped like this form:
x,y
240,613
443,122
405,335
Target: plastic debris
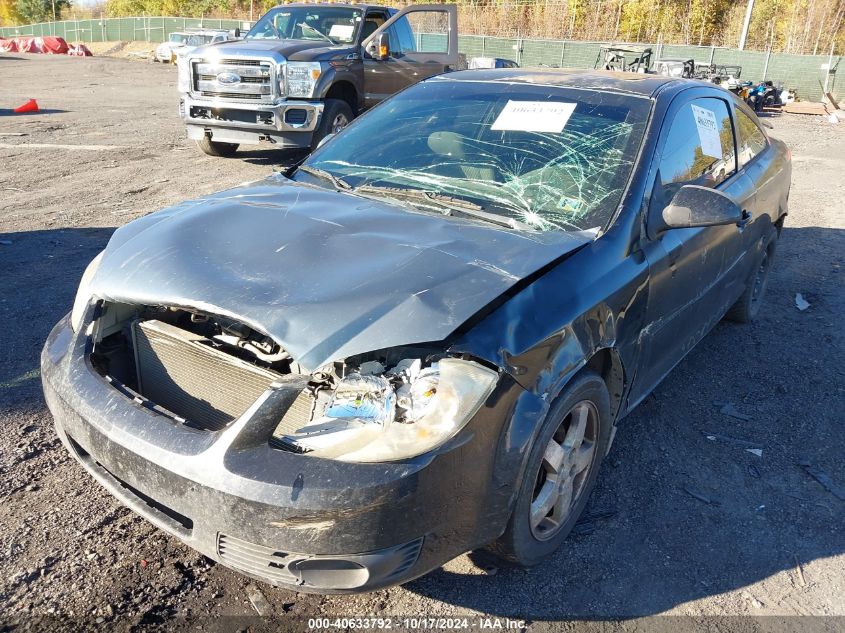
x,y
701,497
259,602
733,441
6,242
824,479
729,409
755,451
800,302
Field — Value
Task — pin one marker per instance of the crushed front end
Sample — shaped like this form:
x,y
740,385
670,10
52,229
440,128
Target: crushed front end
x,y
209,429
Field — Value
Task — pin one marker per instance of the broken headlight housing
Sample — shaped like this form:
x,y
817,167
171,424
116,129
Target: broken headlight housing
x,y
83,294
396,414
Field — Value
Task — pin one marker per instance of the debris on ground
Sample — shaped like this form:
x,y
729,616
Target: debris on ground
x,y
824,479
800,571
701,497
259,602
727,408
755,451
800,302
6,242
587,523
733,441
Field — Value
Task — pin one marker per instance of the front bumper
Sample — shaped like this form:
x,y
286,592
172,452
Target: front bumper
x,y
288,123
287,519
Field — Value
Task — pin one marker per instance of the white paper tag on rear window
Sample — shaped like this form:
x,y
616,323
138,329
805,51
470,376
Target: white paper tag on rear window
x,y
343,31
533,116
708,131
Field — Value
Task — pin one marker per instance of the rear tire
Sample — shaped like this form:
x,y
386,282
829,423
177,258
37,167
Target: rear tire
x,y
337,115
215,148
561,469
747,307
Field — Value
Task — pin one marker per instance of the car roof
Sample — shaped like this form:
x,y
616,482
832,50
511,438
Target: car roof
x,y
641,84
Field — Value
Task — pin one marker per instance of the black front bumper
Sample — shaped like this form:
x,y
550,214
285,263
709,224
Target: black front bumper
x,y
288,519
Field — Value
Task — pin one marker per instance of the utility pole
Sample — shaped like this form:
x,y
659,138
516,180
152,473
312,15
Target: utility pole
x,y
745,25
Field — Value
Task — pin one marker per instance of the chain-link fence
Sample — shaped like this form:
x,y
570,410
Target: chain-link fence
x,y
807,74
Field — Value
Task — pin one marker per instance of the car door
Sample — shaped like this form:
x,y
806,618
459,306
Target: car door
x,y
422,42
694,276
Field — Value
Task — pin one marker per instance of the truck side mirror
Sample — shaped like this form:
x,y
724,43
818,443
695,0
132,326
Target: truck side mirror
x,y
696,206
379,47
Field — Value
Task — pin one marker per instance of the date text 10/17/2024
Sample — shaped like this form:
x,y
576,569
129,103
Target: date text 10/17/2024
x,y
417,623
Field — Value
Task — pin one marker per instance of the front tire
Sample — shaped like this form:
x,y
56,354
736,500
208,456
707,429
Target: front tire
x,y
560,474
747,307
215,148
336,115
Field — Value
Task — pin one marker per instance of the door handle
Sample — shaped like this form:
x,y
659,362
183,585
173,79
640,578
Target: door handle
x,y
746,218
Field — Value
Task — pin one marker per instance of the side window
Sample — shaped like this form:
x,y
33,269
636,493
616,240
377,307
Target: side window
x,y
425,31
699,149
750,138
401,37
373,20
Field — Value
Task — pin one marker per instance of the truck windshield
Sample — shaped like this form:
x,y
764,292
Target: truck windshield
x,y
334,25
544,157
198,40
178,38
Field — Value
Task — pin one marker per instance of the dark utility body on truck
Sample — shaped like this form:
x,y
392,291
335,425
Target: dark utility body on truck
x,y
305,70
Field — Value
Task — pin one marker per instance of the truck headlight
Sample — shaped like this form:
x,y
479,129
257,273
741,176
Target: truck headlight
x,y
83,294
301,78
370,419
183,75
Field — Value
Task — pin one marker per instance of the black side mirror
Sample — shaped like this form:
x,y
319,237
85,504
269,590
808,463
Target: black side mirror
x,y
694,206
379,47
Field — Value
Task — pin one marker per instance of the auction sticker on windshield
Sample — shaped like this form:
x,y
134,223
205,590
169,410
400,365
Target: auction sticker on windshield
x,y
533,116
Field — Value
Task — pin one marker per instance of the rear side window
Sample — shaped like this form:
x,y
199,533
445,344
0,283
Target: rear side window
x,y
750,138
700,148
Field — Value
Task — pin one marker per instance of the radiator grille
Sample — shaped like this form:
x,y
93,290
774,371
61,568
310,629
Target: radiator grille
x,y
254,81
181,372
255,559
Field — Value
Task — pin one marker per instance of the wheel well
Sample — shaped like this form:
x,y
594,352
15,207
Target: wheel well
x,y
607,364
344,91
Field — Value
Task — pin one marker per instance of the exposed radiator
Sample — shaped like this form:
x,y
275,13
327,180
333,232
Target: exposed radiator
x,y
181,372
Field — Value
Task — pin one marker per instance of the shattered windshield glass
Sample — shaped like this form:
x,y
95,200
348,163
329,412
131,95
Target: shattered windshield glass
x,y
538,157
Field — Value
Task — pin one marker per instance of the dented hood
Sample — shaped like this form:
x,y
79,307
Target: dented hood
x,y
326,274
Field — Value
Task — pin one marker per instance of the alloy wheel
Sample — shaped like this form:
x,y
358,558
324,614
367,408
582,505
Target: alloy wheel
x,y
340,122
564,471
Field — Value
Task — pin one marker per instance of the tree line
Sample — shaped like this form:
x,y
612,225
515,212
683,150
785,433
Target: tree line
x,y
792,26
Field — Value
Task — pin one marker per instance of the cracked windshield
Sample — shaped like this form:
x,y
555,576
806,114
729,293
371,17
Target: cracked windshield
x,y
527,157
334,25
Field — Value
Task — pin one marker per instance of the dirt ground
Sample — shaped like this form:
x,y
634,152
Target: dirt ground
x,y
679,524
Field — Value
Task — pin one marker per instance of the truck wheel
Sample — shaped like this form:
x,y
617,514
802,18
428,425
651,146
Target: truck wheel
x,y
561,472
336,115
215,148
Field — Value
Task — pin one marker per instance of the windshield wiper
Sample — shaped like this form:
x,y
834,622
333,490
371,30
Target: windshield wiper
x,y
448,204
303,25
339,183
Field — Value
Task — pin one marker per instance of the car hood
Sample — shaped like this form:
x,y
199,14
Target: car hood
x,y
259,47
326,274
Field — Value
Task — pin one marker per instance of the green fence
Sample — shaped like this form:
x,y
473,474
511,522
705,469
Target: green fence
x,y
804,73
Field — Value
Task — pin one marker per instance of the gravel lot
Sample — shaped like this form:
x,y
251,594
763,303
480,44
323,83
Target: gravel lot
x,y
681,524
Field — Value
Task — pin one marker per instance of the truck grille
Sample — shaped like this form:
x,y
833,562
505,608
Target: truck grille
x,y
182,372
254,79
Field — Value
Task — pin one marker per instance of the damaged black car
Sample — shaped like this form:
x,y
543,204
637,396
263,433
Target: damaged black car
x,y
420,341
